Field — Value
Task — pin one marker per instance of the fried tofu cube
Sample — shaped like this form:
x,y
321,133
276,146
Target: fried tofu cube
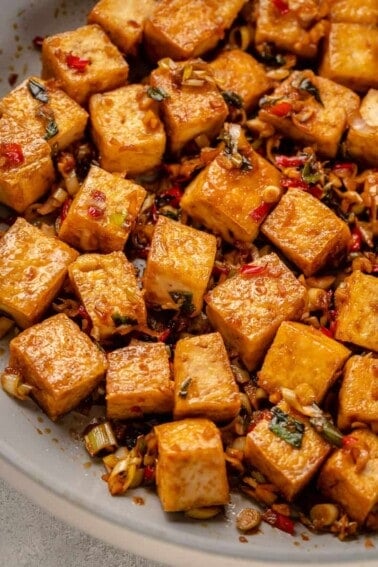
x,y
107,286
170,33
237,71
362,141
127,130
228,199
191,468
343,479
357,310
302,355
26,167
179,266
287,466
84,61
33,267
355,11
350,56
123,21
307,231
247,309
59,361
358,400
204,383
297,30
295,112
103,212
31,113
192,105
138,381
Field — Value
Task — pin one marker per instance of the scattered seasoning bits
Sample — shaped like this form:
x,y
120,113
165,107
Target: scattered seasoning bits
x,y
232,99
250,270
94,212
308,86
157,93
260,212
290,161
51,130
287,427
77,63
185,387
11,155
248,519
38,91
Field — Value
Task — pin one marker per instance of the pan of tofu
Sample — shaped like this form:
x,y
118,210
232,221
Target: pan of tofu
x,y
189,273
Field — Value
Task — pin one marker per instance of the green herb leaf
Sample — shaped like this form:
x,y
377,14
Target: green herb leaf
x,y
232,99
184,299
157,93
38,91
183,392
51,130
327,430
123,320
287,428
308,86
309,174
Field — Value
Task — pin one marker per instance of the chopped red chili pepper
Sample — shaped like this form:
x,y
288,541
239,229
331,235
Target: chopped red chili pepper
x,y
154,213
281,6
356,240
290,161
64,210
220,269
95,212
326,332
279,521
173,195
149,474
280,109
315,191
348,441
77,63
164,335
98,195
346,165
83,313
252,270
11,155
287,182
259,213
37,41
332,327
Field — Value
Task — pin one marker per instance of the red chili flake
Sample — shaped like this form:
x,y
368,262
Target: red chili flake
x,y
346,165
11,155
290,161
83,313
98,195
154,213
332,327
174,195
356,240
326,332
77,63
279,521
64,210
281,6
250,270
315,191
37,41
280,109
259,213
164,335
95,212
287,182
348,441
149,474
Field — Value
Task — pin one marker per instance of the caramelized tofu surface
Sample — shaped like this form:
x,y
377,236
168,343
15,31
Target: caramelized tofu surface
x,y
300,354
247,310
358,400
138,381
69,117
179,266
356,301
191,468
26,167
59,361
84,61
169,32
204,383
343,479
288,467
127,130
103,212
307,231
33,267
362,139
225,198
107,286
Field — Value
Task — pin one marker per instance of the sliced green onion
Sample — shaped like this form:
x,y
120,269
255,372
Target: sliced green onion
x,y
327,430
100,439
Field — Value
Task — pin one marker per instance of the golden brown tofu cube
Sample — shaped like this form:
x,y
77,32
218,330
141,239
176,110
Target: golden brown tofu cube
x,y
287,466
107,286
358,400
295,112
301,354
33,267
296,29
127,130
204,383
84,61
350,56
192,104
191,469
138,381
227,199
237,71
307,231
59,361
247,309
25,106
356,301
123,21
26,167
179,266
169,32
362,139
343,479
355,11
103,212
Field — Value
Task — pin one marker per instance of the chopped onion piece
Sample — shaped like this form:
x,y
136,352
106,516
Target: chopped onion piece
x,y
11,381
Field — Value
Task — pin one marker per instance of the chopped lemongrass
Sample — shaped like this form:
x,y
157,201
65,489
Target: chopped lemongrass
x,y
324,515
248,519
12,383
100,438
